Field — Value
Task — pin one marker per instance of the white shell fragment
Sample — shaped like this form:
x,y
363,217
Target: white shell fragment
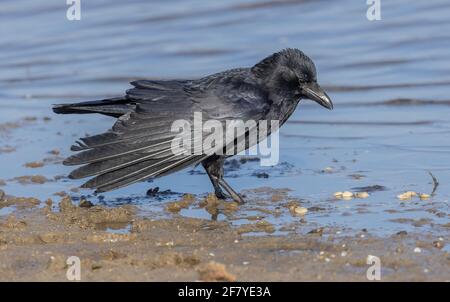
x,y
406,195
300,210
362,195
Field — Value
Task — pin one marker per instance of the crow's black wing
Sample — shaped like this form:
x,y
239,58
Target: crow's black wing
x,y
229,95
235,96
138,146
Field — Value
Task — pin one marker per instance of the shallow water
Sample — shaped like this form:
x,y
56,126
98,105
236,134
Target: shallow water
x,y
389,81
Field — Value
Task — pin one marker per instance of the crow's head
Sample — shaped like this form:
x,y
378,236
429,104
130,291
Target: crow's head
x,y
292,72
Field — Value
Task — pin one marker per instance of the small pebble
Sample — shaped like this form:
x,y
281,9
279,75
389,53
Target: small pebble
x,y
328,170
423,196
438,244
338,194
300,210
417,250
85,204
361,195
343,254
347,194
406,195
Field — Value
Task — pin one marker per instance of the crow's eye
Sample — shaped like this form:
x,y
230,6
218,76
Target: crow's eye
x,y
303,77
288,78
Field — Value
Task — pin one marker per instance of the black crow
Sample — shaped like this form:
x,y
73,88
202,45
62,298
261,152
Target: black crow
x,y
138,147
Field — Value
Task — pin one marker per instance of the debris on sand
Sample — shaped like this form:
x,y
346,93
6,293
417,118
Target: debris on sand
x,y
13,223
259,226
347,195
362,195
49,202
85,204
327,170
438,244
410,194
318,231
34,164
297,210
407,195
31,179
300,210
338,194
214,271
215,206
424,196
184,203
60,193
292,206
178,248
110,237
20,202
86,218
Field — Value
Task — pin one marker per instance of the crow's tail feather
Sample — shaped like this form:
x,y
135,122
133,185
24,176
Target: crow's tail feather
x,y
113,107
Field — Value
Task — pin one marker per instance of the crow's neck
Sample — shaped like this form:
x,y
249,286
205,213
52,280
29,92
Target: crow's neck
x,y
282,108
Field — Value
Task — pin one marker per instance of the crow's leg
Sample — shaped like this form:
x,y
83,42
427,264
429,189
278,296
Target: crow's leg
x,y
230,191
214,168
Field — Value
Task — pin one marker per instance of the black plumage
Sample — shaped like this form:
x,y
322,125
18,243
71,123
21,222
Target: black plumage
x,y
138,146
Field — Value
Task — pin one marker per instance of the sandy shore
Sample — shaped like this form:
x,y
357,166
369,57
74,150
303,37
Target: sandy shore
x,y
116,244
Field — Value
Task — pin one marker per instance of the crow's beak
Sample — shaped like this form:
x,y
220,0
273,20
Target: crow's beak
x,y
314,92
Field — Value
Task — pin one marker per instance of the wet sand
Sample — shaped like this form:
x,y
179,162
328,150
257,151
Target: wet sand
x,y
116,244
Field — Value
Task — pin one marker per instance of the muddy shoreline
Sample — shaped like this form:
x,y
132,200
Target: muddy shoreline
x,y
116,244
